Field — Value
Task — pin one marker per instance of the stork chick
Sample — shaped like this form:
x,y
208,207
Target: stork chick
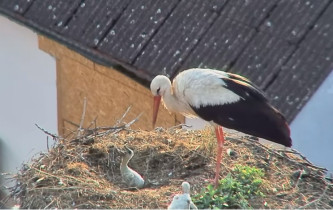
x,y
130,177
183,201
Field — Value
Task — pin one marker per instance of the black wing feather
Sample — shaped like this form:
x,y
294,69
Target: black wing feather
x,y
252,114
243,87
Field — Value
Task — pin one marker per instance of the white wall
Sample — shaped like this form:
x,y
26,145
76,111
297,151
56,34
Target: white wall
x,y
27,95
311,130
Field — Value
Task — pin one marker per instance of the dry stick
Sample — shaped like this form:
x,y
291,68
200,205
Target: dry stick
x,y
96,128
47,143
278,154
93,122
108,130
54,136
49,204
299,177
67,176
180,125
72,123
124,115
59,188
111,163
276,151
82,116
293,151
133,121
117,129
316,200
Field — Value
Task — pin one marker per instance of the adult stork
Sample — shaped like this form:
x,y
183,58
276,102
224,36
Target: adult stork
x,y
222,99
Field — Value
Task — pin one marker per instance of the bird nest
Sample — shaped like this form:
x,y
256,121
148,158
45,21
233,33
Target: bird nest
x,y
83,171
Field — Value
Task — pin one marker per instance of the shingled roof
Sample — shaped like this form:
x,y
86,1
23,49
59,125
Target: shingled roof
x,y
284,46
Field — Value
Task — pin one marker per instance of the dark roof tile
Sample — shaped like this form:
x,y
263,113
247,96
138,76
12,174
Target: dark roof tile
x,y
320,39
298,80
135,27
290,20
93,20
248,12
51,14
220,45
263,58
17,6
178,36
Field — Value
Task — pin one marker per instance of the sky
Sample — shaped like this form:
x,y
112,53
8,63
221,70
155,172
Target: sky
x,y
28,95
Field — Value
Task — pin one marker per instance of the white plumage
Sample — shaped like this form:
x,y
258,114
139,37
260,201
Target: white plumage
x,y
193,87
200,87
130,177
223,99
183,201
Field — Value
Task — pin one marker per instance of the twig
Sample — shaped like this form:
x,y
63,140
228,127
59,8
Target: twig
x,y
276,152
93,122
133,121
106,128
116,128
60,188
82,116
315,200
180,125
293,151
47,143
47,206
54,136
124,115
299,177
67,176
70,122
126,126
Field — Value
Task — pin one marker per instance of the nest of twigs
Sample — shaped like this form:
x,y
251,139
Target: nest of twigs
x,y
82,171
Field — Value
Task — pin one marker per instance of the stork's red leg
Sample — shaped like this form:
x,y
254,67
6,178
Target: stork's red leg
x,y
220,142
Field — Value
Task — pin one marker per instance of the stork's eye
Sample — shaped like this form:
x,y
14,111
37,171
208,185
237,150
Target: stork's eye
x,y
158,91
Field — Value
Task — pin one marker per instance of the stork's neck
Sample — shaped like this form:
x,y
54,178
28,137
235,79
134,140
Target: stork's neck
x,y
124,162
170,100
175,103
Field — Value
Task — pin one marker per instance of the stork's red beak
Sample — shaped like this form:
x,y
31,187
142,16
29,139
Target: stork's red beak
x,y
157,100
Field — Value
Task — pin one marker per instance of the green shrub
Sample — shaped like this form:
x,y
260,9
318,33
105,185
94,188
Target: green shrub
x,y
232,191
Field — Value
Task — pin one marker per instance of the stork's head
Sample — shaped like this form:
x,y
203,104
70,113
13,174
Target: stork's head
x,y
158,86
186,187
128,153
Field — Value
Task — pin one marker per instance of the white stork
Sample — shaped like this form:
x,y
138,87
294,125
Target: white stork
x,y
222,99
131,177
183,201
